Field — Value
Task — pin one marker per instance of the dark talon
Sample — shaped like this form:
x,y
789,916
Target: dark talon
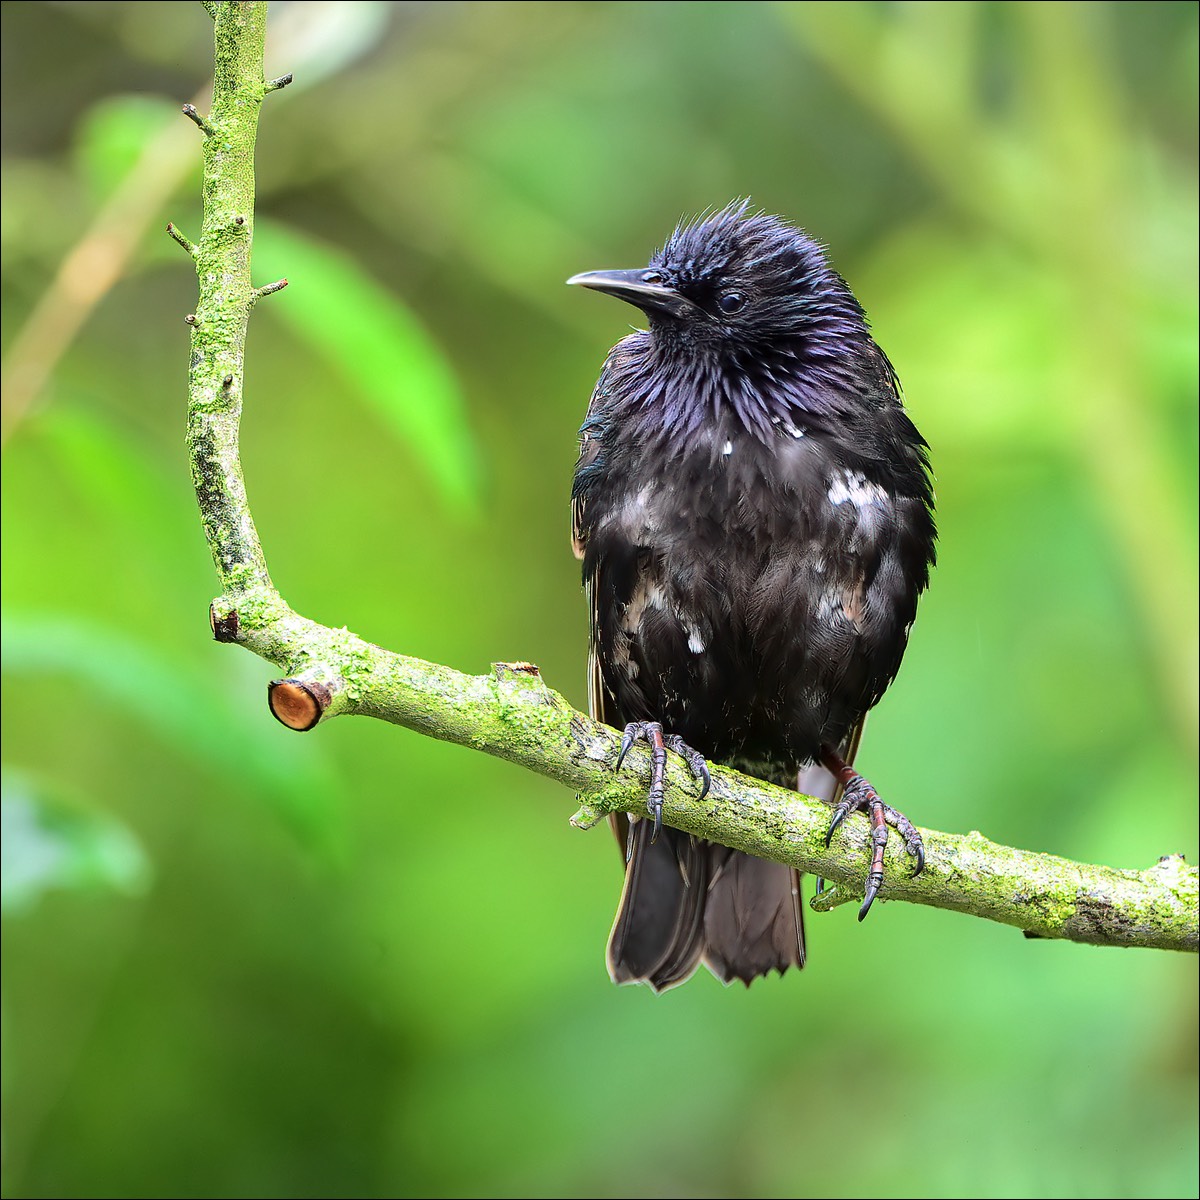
x,y
872,892
920,860
626,746
838,817
820,884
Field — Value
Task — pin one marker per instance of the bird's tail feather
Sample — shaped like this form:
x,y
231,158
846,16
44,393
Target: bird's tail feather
x,y
658,935
688,901
753,919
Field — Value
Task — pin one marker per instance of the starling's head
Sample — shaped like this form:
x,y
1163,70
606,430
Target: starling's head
x,y
738,279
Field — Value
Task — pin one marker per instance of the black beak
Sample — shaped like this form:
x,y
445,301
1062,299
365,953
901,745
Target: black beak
x,y
643,289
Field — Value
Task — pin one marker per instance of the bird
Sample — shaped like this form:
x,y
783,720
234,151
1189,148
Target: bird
x,y
754,511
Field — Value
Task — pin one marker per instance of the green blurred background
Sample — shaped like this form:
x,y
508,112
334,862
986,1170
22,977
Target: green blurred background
x,y
242,962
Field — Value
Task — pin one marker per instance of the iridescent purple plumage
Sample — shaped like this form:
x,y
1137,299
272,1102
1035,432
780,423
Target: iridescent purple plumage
x,y
754,514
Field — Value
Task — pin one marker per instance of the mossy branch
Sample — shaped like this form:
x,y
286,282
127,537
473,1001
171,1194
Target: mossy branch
x,y
511,713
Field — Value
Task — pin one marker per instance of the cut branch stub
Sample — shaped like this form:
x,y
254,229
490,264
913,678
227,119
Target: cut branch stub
x,y
516,670
521,682
224,625
298,703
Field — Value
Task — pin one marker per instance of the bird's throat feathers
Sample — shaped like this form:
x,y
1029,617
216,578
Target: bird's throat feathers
x,y
674,390
760,333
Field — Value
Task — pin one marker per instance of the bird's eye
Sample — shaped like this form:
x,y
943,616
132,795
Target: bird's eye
x,y
731,302
652,277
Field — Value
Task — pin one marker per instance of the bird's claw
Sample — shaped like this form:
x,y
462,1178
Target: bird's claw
x,y
651,732
859,794
840,813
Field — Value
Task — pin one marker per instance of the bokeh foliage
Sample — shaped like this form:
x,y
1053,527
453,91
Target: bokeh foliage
x,y
237,961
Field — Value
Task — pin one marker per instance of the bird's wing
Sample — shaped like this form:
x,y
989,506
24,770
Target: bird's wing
x,y
600,705
589,449
589,452
578,529
596,704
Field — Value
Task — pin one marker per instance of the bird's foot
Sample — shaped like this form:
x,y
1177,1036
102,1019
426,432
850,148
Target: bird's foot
x,y
651,732
858,794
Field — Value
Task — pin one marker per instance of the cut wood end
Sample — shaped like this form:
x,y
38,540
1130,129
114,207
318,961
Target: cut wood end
x,y
297,703
224,625
508,669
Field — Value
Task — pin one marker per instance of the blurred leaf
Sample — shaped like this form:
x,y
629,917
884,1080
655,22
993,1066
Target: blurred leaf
x,y
114,133
316,40
187,709
990,376
48,844
120,475
380,348
43,204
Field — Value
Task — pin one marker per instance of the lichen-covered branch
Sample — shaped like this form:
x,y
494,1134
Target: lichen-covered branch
x,y
511,713
226,293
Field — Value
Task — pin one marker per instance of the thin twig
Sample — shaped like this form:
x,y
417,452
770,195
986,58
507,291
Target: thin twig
x,y
193,114
190,247
269,289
